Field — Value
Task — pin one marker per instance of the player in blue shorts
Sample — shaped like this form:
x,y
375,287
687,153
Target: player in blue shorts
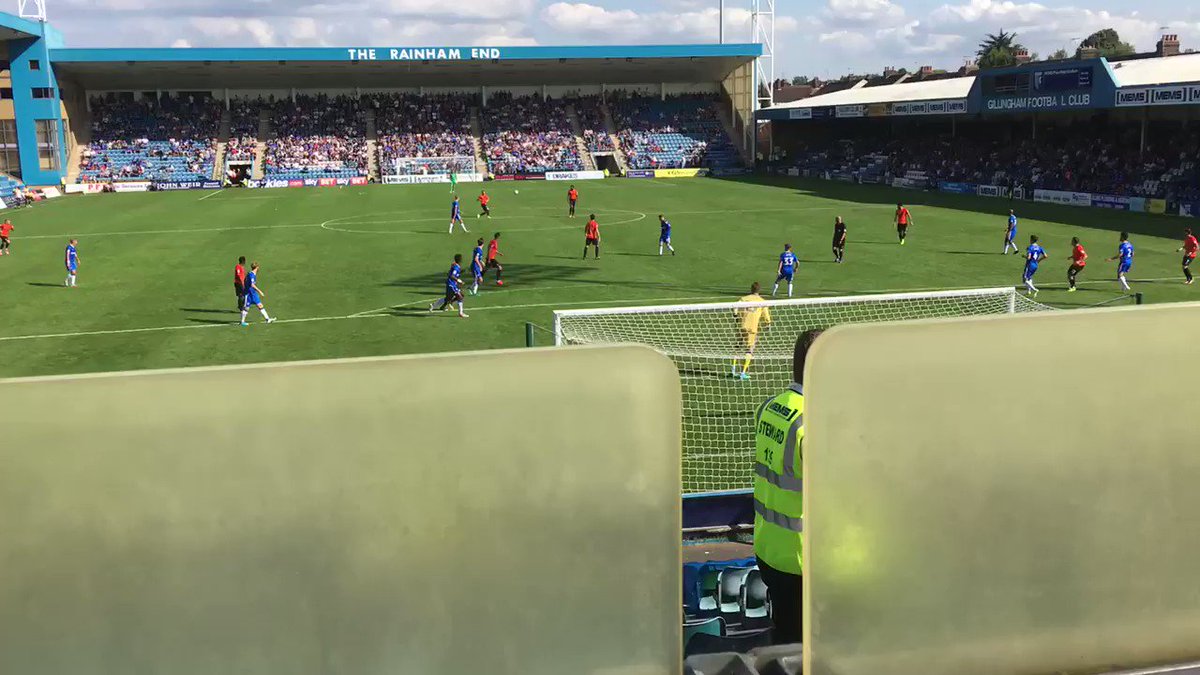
x,y
454,293
787,269
456,216
254,295
1034,255
477,266
1124,258
1010,233
72,261
664,235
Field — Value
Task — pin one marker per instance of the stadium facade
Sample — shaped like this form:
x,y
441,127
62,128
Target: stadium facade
x,y
1033,101
45,87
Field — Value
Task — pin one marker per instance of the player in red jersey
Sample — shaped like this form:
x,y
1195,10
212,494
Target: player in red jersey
x,y
239,282
493,252
6,229
903,220
572,197
1189,252
591,236
1078,261
483,200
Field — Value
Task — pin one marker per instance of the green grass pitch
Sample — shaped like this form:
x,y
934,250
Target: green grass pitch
x,y
351,271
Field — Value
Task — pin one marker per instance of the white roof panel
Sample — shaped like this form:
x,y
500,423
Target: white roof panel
x,y
1159,70
934,90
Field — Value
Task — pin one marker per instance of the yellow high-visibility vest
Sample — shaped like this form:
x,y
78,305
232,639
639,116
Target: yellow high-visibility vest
x,y
778,470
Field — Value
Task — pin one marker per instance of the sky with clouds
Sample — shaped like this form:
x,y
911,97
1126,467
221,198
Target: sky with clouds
x,y
827,38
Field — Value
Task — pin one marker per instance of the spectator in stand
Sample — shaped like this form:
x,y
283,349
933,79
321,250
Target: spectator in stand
x,y
170,138
528,135
681,131
317,136
433,130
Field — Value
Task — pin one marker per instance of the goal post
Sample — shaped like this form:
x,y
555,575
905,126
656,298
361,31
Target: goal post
x,y
705,341
424,166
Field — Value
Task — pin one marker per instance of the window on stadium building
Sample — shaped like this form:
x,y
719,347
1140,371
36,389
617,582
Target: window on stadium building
x,y
10,160
34,64
5,93
47,143
43,92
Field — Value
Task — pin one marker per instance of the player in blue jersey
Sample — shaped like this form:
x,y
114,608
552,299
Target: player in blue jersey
x,y
664,235
787,269
1034,255
456,216
254,295
1010,233
477,266
1124,258
72,262
454,294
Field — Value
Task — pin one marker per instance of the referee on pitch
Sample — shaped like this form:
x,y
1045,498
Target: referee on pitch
x,y
779,499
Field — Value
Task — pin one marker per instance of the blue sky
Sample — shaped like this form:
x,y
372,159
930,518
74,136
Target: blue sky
x,y
814,37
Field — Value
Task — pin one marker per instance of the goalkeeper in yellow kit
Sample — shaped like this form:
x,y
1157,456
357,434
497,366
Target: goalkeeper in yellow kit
x,y
750,320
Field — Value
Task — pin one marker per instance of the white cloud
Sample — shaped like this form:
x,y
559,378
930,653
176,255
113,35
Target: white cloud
x,y
1044,28
595,23
845,12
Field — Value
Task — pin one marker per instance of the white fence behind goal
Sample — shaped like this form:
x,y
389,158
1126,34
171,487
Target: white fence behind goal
x,y
704,341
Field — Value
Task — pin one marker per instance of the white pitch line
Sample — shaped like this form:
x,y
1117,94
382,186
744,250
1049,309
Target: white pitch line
x,y
506,292
211,194
369,314
183,231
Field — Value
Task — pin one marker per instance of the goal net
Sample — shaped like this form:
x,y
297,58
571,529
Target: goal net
x,y
705,340
428,166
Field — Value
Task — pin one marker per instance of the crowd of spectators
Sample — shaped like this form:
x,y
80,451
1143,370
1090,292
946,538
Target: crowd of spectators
x,y
591,122
528,135
317,136
1095,156
414,127
169,138
243,130
681,131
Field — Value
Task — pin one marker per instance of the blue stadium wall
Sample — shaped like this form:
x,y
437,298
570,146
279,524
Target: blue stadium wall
x,y
31,71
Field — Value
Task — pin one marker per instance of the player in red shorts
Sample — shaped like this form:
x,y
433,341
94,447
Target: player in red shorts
x,y
1078,261
6,229
572,197
493,252
1189,252
903,220
591,236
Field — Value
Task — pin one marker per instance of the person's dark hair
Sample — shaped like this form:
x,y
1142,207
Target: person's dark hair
x,y
1074,241
1124,236
592,217
1186,230
803,344
241,260
480,241
458,257
1033,238
754,288
496,236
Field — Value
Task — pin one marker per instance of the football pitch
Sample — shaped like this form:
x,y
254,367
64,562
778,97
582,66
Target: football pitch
x,y
351,271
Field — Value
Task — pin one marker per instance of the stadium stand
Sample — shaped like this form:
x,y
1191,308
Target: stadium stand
x,y
528,135
679,132
243,130
590,111
317,136
167,139
1094,155
418,127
